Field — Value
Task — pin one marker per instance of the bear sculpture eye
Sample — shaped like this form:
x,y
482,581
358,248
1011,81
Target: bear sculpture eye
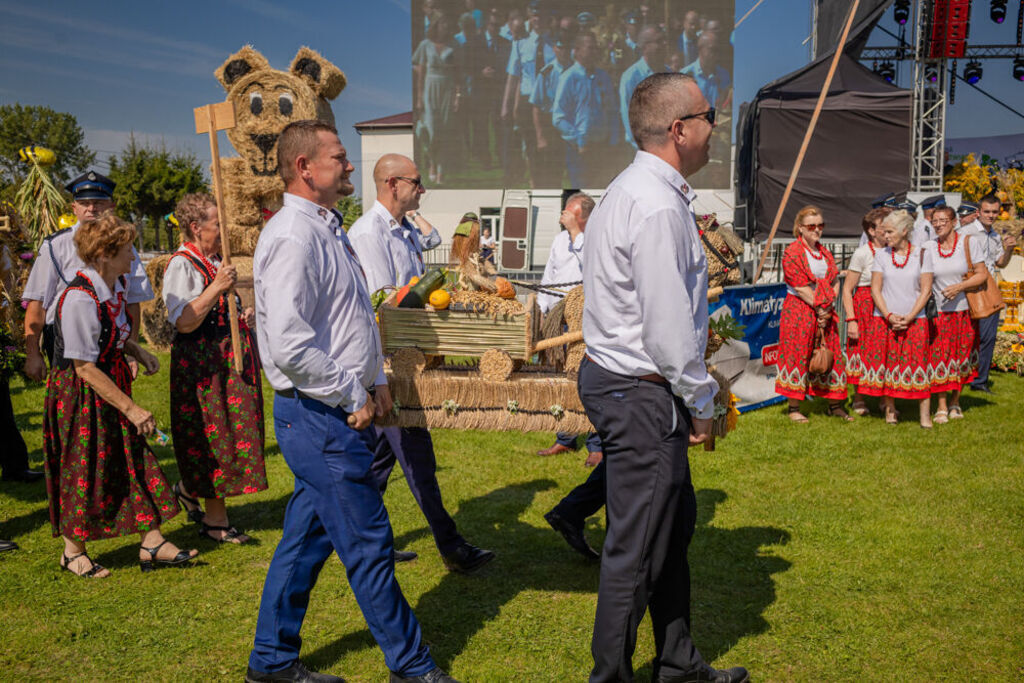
x,y
256,103
284,104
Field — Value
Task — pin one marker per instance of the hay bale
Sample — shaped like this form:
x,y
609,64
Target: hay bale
x,y
408,362
573,358
574,308
496,365
155,328
552,327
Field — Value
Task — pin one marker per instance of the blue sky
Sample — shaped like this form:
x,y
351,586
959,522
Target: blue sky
x,y
123,66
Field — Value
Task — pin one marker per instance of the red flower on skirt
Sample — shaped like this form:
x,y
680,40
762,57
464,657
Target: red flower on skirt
x,y
243,445
143,517
250,489
210,429
234,400
218,473
154,483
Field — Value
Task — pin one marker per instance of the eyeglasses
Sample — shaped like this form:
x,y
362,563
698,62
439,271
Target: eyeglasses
x,y
708,116
814,226
418,182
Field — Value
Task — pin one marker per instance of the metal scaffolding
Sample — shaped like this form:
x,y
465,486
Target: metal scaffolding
x,y
928,125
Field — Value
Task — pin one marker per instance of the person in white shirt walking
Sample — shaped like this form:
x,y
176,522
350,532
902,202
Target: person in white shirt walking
x,y
321,353
644,383
390,255
998,251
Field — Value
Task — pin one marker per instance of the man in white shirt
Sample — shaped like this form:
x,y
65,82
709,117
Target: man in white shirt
x,y
644,383
55,267
390,255
998,251
321,353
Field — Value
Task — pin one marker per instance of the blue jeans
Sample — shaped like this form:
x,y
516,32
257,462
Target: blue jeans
x,y
987,328
336,506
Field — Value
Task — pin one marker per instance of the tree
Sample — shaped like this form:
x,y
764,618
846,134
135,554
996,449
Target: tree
x,y
149,184
351,208
34,125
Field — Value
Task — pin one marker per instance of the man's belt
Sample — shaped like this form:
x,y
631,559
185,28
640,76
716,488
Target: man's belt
x,y
652,377
292,392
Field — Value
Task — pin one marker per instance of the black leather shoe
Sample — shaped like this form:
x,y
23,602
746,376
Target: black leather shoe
x,y
296,672
435,675
8,545
27,476
405,556
466,559
572,534
983,389
737,674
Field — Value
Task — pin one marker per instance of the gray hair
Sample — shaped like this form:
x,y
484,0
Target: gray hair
x,y
658,101
901,221
586,203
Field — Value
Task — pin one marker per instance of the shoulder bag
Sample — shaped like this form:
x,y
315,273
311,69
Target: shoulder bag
x,y
985,299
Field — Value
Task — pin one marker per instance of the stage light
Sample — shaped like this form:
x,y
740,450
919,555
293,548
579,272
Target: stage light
x,y
1018,68
931,73
972,72
901,11
886,71
998,11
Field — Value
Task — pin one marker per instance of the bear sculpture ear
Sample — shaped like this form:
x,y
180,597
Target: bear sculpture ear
x,y
324,78
239,64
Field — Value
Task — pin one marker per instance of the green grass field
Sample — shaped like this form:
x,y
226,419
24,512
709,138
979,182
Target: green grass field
x,y
827,551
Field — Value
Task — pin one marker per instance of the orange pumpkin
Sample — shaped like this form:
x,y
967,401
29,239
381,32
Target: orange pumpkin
x,y
505,288
440,299
401,294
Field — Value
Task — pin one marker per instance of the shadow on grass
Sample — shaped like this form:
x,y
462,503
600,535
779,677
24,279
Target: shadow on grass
x,y
25,524
33,492
29,421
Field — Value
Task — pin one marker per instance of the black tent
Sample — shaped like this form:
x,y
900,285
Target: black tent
x,y
860,148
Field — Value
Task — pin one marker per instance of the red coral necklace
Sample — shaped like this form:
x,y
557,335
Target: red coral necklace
x,y
210,268
910,248
818,257
956,238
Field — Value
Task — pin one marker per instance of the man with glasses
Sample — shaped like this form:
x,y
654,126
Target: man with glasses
x,y
389,252
644,383
652,59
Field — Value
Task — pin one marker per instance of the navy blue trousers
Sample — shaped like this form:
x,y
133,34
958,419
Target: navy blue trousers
x,y
586,499
414,449
336,506
568,439
987,328
14,455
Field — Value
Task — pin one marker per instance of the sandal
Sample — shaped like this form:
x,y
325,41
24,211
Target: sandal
x,y
88,574
891,417
861,408
955,413
837,410
195,514
941,417
230,533
796,416
153,562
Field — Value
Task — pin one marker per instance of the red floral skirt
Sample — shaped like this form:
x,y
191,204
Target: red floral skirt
x,y
863,309
102,478
954,352
897,364
217,417
796,341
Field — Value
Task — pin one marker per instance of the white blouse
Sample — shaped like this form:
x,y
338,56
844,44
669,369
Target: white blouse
x,y
901,286
80,322
183,283
951,270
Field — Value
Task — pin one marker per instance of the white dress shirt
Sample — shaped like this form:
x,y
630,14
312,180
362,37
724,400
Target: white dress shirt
x,y
388,249
565,264
990,240
80,323
56,266
315,323
646,279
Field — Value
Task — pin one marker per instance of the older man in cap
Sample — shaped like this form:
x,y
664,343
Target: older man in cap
x,y
55,267
390,255
966,214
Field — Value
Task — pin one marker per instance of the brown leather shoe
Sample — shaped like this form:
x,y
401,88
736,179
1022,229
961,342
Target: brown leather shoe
x,y
554,450
594,458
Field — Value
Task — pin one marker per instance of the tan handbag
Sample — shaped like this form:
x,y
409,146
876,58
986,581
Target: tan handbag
x,y
821,357
985,299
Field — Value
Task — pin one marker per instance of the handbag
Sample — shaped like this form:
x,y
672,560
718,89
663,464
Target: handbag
x,y
821,357
931,308
985,299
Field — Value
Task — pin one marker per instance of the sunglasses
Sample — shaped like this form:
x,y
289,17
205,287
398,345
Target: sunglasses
x,y
814,226
418,182
708,116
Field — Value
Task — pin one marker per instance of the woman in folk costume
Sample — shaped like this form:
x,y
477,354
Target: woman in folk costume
x,y
812,285
896,365
861,323
216,413
954,352
102,478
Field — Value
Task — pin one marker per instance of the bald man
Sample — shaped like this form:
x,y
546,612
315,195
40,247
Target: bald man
x,y
390,253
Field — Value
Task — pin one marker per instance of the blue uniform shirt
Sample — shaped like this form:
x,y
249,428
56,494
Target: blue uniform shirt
x,y
584,111
713,85
631,78
545,86
522,62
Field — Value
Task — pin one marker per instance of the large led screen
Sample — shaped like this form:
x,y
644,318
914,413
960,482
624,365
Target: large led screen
x,y
535,94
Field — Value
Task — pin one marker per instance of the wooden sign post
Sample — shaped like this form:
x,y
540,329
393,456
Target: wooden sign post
x,y
210,119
